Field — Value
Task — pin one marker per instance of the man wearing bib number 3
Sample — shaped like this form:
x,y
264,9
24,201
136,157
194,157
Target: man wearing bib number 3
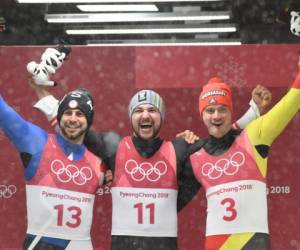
x,y
232,166
62,176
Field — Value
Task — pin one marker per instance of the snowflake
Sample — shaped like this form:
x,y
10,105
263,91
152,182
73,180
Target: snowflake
x,y
232,72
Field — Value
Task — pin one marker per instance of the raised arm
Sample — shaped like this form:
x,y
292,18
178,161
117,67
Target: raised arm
x,y
265,129
27,137
261,99
47,103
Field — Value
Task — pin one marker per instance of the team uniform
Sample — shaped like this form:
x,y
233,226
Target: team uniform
x,y
61,181
144,190
233,171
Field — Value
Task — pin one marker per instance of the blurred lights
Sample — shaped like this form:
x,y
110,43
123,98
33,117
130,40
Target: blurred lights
x,y
228,42
117,7
134,17
111,1
148,31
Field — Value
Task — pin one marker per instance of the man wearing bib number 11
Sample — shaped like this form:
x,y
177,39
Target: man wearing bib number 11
x,y
232,166
62,176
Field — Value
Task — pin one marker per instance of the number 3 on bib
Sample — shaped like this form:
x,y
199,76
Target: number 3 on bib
x,y
231,212
141,209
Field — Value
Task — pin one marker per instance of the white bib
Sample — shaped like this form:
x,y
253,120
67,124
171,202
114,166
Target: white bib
x,y
237,207
144,212
59,213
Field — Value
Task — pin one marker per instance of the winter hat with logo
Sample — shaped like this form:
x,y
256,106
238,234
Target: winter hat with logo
x,y
215,92
147,96
77,99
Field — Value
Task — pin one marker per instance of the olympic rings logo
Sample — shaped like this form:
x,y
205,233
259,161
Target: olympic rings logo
x,y
7,191
139,172
224,166
71,172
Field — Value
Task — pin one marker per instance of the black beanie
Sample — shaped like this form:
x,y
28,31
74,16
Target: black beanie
x,y
77,99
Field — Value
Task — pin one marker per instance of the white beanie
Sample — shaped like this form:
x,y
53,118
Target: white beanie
x,y
147,96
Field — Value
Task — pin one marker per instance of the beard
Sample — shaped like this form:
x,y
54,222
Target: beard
x,y
73,136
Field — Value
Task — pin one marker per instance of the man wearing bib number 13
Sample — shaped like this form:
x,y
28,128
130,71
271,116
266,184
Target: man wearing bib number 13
x,y
232,166
62,176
